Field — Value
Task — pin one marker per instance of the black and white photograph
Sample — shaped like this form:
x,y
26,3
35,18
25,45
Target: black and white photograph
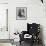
x,y
22,22
21,13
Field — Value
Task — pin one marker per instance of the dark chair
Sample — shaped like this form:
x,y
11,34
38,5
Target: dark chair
x,y
32,29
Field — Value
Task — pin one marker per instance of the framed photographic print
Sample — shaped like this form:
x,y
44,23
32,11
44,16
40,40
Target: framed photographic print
x,y
21,13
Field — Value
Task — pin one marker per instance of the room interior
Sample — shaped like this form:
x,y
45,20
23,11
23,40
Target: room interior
x,y
10,27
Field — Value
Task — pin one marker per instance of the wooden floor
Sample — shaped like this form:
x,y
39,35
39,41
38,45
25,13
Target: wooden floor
x,y
6,40
27,44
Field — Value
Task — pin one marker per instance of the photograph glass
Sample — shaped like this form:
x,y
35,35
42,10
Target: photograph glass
x,y
21,13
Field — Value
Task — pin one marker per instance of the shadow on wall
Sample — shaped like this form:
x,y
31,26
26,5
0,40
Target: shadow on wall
x,y
41,34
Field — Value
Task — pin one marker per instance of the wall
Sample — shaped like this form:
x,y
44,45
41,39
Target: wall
x,y
35,13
